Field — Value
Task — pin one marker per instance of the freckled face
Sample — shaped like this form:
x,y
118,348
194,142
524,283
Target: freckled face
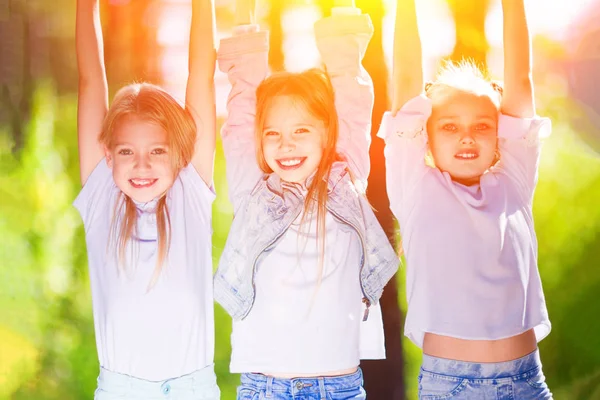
x,y
462,133
140,159
292,140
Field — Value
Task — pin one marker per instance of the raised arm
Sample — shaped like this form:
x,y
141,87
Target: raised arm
x,y
517,100
403,128
407,77
200,90
342,40
92,101
244,58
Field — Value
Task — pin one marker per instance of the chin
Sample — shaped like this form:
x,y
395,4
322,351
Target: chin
x,y
470,179
292,178
142,198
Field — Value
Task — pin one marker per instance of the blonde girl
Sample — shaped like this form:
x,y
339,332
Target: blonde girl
x,y
146,168
475,300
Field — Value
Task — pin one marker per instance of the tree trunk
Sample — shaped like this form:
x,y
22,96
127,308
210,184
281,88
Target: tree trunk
x,y
276,56
131,51
469,17
384,379
15,72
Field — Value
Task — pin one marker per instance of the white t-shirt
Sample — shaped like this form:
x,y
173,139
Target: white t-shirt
x,y
471,251
295,327
167,331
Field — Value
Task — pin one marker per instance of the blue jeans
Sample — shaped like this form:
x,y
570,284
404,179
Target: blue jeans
x,y
520,379
199,385
258,386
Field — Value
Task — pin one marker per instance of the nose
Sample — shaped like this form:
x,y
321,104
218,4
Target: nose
x,y
142,161
467,138
287,144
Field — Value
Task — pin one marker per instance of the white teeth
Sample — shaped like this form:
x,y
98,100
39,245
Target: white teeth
x,y
141,182
291,162
467,155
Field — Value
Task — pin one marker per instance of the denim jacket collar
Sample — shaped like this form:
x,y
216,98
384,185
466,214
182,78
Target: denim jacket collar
x,y
338,170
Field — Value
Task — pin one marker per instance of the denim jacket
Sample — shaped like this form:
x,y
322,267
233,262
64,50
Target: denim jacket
x,y
264,205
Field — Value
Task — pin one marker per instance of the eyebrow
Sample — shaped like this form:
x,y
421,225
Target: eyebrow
x,y
293,126
126,144
455,117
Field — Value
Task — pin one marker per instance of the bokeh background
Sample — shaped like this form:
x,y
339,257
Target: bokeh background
x,y
47,348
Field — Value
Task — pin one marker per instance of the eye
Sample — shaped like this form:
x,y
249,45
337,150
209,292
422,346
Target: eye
x,y
159,151
301,130
482,127
271,133
449,127
125,152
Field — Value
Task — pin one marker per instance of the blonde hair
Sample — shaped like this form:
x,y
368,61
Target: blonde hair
x,y
312,89
149,103
465,76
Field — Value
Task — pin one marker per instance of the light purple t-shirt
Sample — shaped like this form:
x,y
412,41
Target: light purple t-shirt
x,y
471,250
167,331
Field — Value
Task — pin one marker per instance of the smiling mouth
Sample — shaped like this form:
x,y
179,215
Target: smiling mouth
x,y
142,183
290,163
467,155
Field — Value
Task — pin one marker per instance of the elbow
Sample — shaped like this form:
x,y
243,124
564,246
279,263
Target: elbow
x,y
524,83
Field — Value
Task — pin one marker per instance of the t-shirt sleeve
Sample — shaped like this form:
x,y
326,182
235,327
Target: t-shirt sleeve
x,y
405,148
520,142
93,198
195,192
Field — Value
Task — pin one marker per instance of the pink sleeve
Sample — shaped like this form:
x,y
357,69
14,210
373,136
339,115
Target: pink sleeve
x,y
244,59
519,142
405,148
342,41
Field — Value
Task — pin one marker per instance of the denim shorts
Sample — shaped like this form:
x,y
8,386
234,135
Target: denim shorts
x,y
520,379
258,386
199,385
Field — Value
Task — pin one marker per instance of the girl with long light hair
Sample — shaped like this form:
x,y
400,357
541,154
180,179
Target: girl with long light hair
x,y
146,168
306,261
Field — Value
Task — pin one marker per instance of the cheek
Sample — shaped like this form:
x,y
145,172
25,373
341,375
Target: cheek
x,y
439,145
268,148
315,145
489,141
119,165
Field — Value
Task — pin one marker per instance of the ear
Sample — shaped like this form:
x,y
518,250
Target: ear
x,y
109,157
497,86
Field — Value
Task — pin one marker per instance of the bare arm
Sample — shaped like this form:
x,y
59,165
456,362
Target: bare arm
x,y
407,76
517,99
92,103
200,90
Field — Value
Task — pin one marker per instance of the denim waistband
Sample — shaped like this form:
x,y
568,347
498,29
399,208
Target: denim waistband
x,y
297,386
114,382
521,368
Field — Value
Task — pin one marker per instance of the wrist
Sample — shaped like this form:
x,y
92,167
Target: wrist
x,y
245,28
